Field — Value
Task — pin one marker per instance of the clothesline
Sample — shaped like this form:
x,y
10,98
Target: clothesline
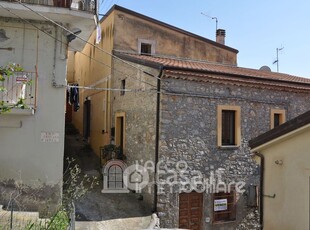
x,y
104,89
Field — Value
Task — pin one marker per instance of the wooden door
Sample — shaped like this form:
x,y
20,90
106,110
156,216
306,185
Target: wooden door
x,y
86,119
190,210
68,111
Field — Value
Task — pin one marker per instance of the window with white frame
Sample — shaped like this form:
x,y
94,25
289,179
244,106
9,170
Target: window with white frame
x,y
146,47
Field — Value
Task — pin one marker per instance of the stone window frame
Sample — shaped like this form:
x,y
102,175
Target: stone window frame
x,y
282,116
237,110
146,41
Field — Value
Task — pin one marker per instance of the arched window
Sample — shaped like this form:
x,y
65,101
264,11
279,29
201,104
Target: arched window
x,y
115,177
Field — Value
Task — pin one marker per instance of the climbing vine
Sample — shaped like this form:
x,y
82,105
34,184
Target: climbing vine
x,y
5,73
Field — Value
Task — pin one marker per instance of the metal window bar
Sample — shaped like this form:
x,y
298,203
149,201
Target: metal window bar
x,y
21,85
83,5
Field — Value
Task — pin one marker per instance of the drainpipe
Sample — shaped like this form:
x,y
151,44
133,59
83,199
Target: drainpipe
x,y
55,53
261,192
54,80
157,134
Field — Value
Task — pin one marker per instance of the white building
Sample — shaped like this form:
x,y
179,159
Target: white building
x,y
32,139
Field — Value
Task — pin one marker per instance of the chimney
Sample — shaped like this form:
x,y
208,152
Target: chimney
x,y
220,36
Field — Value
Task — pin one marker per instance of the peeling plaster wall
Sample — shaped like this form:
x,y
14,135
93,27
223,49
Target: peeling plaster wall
x,y
129,29
25,158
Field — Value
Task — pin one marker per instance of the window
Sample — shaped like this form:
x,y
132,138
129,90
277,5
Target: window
x,y
277,117
115,177
228,127
229,131
224,206
123,87
146,48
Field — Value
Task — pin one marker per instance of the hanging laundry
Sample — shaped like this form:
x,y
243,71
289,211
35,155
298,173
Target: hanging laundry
x,y
69,95
74,97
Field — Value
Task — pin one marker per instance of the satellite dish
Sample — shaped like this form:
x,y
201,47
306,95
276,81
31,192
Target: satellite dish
x,y
265,68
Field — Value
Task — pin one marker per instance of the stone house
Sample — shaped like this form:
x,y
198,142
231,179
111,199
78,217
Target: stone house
x,y
285,169
201,114
123,29
168,96
32,139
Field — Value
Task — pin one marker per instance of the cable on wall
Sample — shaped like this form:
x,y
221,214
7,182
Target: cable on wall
x,y
82,39
102,63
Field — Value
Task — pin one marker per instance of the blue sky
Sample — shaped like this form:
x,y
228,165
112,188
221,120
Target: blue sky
x,y
255,28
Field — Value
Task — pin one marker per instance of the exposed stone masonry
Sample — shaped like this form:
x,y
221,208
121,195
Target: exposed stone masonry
x,y
189,133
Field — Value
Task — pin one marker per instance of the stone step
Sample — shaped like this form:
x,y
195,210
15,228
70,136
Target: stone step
x,y
135,223
20,219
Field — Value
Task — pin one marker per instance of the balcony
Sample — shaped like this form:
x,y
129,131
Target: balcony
x,y
83,5
22,85
73,14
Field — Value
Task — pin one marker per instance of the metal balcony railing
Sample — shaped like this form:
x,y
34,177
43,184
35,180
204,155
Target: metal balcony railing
x,y
83,5
21,85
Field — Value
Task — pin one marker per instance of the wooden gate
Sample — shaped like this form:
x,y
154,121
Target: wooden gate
x,y
190,210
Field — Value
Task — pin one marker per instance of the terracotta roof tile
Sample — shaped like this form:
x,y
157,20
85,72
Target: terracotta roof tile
x,y
240,81
203,69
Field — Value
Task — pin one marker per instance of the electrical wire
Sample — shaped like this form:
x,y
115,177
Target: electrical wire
x,y
108,2
102,63
165,92
82,39
106,89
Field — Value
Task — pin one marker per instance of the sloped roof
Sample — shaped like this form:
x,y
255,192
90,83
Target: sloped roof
x,y
205,71
287,127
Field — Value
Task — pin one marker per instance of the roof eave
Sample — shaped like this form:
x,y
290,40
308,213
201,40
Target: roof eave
x,y
153,64
280,139
144,17
137,60
291,126
235,75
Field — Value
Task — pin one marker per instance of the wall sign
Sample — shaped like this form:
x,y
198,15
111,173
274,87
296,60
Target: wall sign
x,y
220,205
50,137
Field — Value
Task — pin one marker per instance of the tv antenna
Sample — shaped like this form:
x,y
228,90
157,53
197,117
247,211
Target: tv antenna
x,y
277,60
216,21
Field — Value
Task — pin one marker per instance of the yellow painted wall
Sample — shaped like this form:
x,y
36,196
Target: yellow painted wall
x,y
125,36
289,181
168,42
70,67
93,70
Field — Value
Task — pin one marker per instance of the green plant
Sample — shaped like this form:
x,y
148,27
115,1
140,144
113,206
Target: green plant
x,y
75,186
5,73
75,183
60,221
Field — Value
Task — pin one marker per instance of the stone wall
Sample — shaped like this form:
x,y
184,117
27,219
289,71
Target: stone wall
x,y
140,115
189,133
44,199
